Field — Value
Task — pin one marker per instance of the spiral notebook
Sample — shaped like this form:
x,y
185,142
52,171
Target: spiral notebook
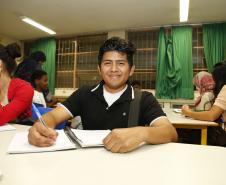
x,y
67,139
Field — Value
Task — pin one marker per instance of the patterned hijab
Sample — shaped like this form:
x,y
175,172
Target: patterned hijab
x,y
204,82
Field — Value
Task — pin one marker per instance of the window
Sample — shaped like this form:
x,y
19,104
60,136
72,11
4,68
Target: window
x,y
77,58
145,59
199,63
77,61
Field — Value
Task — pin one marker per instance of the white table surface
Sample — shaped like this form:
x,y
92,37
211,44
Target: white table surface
x,y
177,118
166,164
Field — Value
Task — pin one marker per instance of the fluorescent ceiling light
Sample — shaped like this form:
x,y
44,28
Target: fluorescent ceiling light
x,y
184,6
37,25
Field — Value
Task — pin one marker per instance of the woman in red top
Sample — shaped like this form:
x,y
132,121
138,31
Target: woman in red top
x,y
15,94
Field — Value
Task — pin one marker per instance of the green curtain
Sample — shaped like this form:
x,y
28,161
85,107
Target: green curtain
x,y
161,83
214,42
182,55
174,66
168,72
48,46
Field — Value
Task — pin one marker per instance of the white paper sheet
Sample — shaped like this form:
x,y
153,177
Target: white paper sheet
x,y
90,138
19,144
7,127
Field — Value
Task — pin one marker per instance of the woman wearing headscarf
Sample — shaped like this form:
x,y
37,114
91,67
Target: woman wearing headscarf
x,y
205,84
217,113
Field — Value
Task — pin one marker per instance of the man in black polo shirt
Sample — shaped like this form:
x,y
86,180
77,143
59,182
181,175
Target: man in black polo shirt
x,y
107,106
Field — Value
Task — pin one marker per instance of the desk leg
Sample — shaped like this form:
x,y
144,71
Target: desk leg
x,y
204,136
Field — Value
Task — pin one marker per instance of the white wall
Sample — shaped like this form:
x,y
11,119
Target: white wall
x,y
117,33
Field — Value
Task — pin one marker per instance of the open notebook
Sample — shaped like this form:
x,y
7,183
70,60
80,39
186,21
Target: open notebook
x,y
66,140
87,138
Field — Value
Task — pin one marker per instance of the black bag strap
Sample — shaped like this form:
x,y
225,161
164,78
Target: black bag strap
x,y
134,109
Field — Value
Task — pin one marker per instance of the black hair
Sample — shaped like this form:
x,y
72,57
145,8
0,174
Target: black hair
x,y
37,75
8,54
38,56
219,64
135,82
120,45
219,76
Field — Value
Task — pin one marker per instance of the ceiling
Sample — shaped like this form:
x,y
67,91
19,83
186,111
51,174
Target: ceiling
x,y
70,17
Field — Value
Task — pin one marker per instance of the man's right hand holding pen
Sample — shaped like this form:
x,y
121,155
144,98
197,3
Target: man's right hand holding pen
x,y
40,135
45,135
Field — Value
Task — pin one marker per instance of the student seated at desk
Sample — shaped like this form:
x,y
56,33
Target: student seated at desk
x,y
15,94
218,110
107,106
204,83
29,65
39,81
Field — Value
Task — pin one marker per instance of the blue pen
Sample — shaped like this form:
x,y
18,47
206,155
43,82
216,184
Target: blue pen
x,y
38,114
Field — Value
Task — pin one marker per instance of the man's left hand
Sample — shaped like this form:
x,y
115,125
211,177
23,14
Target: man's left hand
x,y
124,139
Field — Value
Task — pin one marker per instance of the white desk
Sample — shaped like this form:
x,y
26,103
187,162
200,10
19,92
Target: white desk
x,y
179,121
168,103
167,164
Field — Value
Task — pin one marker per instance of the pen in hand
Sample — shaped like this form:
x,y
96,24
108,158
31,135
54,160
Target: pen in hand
x,y
38,115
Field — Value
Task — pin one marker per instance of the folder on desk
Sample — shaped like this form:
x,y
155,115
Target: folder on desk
x,y
67,139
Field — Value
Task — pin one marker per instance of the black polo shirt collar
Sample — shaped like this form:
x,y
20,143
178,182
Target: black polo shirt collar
x,y
127,95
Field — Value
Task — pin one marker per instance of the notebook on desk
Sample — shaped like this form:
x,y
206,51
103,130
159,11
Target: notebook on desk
x,y
67,139
87,138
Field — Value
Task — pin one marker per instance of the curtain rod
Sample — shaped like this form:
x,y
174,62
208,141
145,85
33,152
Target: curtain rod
x,y
171,25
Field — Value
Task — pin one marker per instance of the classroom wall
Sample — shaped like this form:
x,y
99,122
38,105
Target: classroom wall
x,y
117,33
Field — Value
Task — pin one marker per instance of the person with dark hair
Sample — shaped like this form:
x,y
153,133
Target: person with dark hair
x,y
15,94
26,68
39,80
108,106
223,62
136,84
39,57
218,110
